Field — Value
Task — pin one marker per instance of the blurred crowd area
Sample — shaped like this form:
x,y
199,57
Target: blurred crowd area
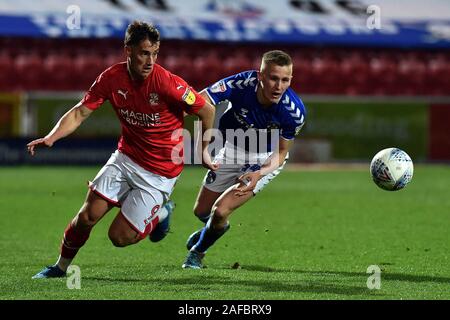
x,y
73,64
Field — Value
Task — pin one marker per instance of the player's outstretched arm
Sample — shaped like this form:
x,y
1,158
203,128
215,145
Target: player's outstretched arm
x,y
206,115
276,159
68,123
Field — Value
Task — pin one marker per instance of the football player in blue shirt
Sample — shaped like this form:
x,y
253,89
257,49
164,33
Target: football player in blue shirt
x,y
259,101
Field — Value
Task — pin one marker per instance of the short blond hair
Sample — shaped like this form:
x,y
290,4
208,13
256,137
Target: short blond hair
x,y
278,57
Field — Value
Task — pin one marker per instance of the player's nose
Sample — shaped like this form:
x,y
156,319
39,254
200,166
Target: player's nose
x,y
278,85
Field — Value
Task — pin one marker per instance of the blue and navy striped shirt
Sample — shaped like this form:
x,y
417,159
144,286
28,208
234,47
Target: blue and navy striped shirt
x,y
245,112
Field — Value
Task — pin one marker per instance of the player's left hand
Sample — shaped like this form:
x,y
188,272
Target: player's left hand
x,y
248,182
38,143
207,162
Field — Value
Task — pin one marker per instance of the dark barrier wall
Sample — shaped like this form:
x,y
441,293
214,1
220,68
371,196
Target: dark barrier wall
x,y
102,123
439,132
9,114
334,131
357,130
64,152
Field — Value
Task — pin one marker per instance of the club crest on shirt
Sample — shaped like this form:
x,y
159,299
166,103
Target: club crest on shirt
x,y
218,87
188,97
153,99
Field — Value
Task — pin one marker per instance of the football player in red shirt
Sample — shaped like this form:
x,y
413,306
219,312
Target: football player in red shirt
x,y
140,175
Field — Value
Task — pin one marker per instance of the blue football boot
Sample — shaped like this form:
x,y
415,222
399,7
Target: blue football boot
x,y
50,272
163,227
193,260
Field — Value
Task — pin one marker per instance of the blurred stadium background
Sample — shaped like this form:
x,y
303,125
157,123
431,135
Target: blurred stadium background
x,y
365,89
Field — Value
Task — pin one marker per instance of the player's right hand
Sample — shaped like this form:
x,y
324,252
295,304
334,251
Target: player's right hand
x,y
44,142
248,182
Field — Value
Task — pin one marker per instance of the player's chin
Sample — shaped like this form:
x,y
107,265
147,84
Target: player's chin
x,y
146,72
275,98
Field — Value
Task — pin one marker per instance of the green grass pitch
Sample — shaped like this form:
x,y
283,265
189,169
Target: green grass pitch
x,y
308,235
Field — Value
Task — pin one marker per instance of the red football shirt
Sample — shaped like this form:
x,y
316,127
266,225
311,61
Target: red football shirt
x,y
149,112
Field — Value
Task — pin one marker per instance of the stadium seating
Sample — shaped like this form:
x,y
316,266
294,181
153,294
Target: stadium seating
x,y
73,64
7,74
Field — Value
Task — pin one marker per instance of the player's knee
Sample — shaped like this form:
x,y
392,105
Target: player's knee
x,y
201,212
118,241
85,219
221,213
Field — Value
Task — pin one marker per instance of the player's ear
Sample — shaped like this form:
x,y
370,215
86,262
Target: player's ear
x,y
127,50
258,74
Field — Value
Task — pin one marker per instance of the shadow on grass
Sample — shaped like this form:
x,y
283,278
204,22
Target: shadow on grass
x,y
309,281
205,282
384,275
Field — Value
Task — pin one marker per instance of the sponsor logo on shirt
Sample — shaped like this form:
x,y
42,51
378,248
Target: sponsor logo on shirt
x,y
140,119
123,93
188,97
297,129
218,87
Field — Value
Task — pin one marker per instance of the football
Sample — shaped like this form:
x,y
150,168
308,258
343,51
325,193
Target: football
x,y
391,169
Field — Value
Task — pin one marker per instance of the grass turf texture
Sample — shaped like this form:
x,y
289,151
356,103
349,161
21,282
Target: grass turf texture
x,y
308,235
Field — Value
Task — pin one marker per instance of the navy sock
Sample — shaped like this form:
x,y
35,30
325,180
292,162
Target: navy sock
x,y
208,236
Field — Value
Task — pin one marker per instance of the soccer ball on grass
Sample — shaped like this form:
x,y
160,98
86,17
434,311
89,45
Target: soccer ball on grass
x,y
391,169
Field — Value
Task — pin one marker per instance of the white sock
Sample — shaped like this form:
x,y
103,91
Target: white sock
x,y
63,263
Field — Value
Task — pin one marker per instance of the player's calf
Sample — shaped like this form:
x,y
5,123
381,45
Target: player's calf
x,y
209,235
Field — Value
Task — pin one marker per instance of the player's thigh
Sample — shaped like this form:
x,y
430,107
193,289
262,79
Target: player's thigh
x,y
107,190
141,207
228,201
215,183
137,217
221,179
111,182
205,201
